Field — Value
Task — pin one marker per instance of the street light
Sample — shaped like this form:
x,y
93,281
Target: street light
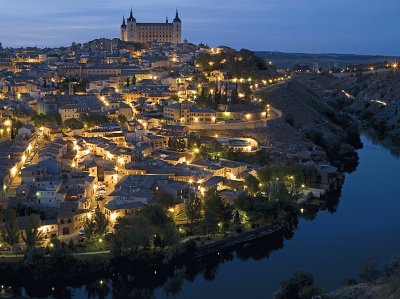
x,y
113,217
13,171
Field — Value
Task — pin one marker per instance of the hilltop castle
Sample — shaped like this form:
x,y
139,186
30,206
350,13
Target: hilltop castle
x,y
167,32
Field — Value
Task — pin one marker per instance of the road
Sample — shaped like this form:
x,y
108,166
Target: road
x,y
74,254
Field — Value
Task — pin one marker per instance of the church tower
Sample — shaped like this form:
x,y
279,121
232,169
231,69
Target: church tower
x,y
177,29
123,30
131,35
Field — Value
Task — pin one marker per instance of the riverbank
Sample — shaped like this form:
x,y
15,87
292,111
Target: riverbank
x,y
366,291
34,267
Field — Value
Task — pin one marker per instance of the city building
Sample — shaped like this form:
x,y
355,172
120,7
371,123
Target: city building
x,y
189,113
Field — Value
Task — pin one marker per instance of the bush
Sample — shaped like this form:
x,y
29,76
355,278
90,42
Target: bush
x,y
299,286
369,271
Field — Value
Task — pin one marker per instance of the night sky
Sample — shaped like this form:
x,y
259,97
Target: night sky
x,y
312,26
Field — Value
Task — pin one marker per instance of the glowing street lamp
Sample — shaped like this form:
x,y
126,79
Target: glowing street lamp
x,y
13,171
113,217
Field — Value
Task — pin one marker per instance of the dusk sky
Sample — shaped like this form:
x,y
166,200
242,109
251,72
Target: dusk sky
x,y
312,26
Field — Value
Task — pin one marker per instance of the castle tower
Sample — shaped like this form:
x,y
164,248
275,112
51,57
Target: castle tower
x,y
123,29
131,28
177,29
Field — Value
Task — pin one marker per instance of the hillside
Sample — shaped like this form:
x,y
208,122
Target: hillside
x,y
287,60
372,98
305,110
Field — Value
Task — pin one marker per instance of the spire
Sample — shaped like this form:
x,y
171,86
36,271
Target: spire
x,y
131,18
177,19
166,19
123,22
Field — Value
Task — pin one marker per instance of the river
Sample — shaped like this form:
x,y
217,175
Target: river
x,y
365,224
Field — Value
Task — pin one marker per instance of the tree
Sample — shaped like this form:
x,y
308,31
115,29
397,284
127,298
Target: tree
x,y
213,203
156,215
94,119
236,218
170,235
166,200
96,226
45,120
11,234
122,119
131,233
71,245
193,142
393,269
193,209
72,124
209,224
174,98
299,286
252,184
369,271
33,236
177,144
58,250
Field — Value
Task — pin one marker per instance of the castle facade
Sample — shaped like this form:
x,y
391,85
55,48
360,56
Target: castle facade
x,y
167,32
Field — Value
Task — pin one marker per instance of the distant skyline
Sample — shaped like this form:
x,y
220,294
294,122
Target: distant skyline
x,y
306,26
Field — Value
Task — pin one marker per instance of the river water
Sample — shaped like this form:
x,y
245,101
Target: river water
x,y
364,224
